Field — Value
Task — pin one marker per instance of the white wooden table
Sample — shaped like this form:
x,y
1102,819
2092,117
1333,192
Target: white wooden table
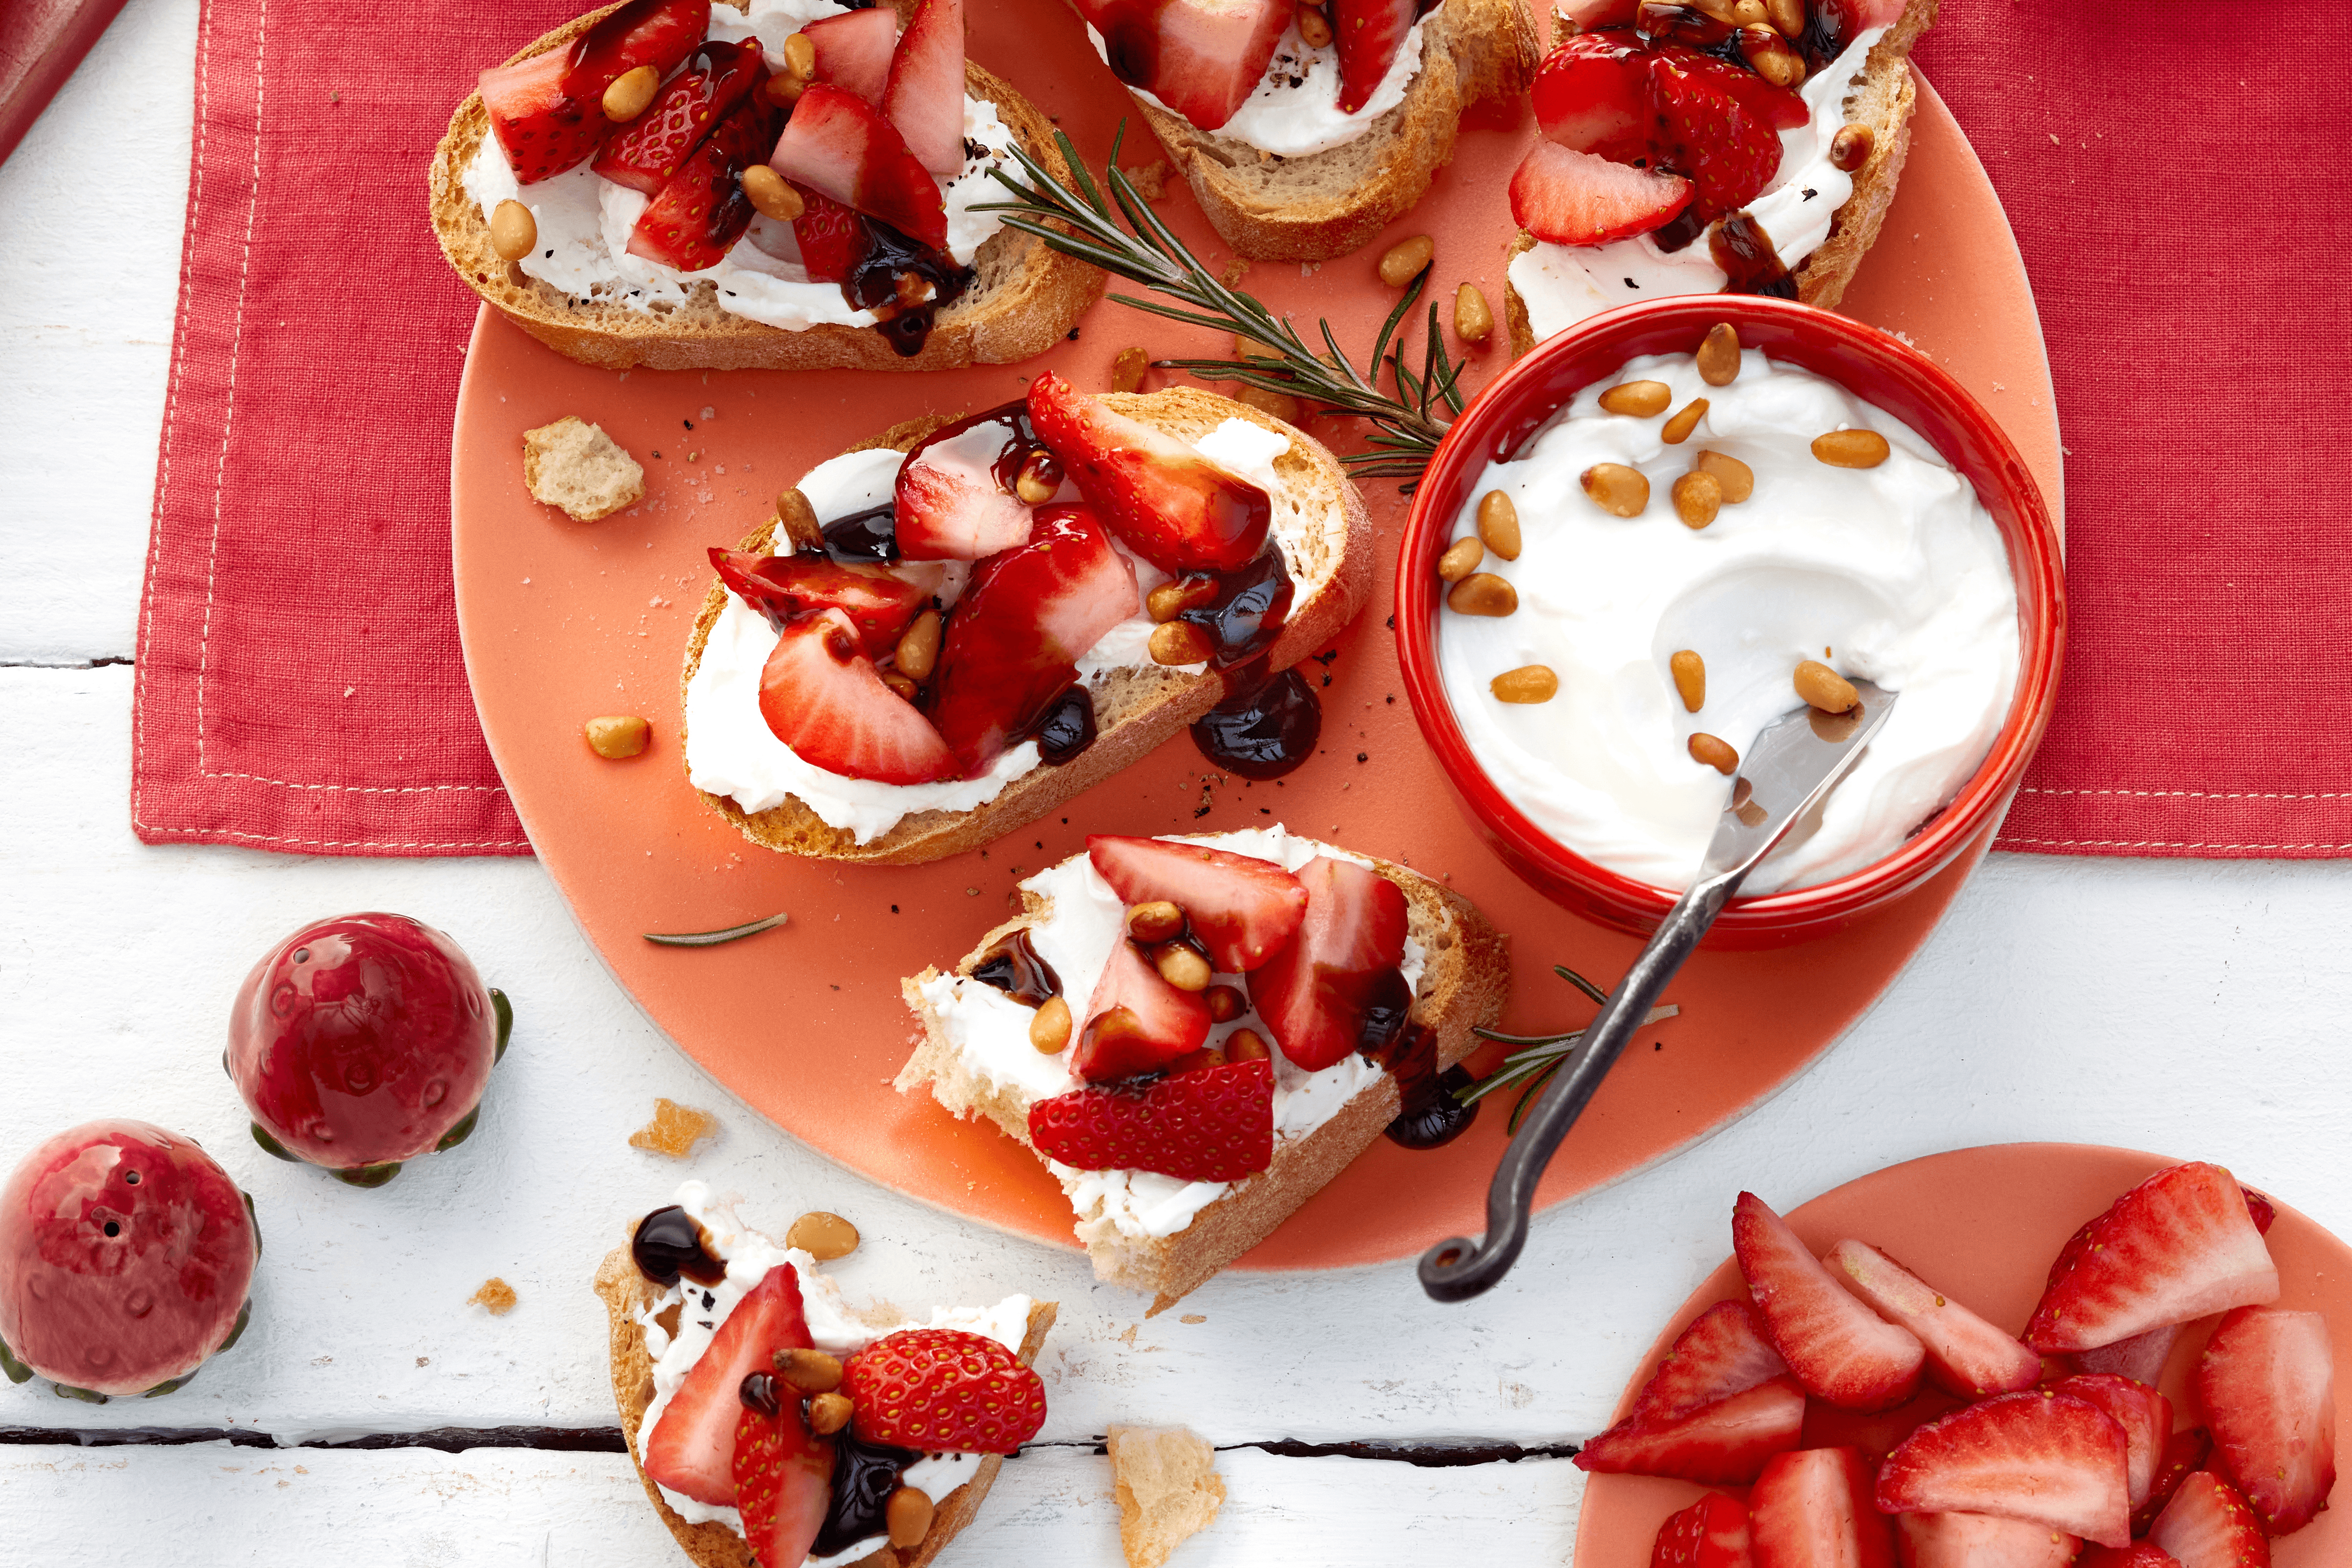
x,y
2195,1008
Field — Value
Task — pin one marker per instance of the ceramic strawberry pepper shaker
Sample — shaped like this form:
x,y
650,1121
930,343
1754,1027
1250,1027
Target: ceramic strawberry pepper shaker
x,y
364,1041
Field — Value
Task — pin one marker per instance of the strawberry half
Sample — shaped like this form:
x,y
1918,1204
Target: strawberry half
x,y
942,1390
691,1449
784,588
784,1481
1582,198
1591,95
852,52
2140,1358
657,33
1169,503
1203,59
1314,993
2138,1554
1979,1540
2178,1245
836,144
2145,1416
1966,1355
823,696
2209,1525
1723,1353
1812,1510
543,131
1213,1124
1706,125
643,153
1839,1349
2268,1386
924,95
1242,909
702,211
2184,1455
1724,1444
1135,1022
834,240
2049,1459
953,501
1368,34
1710,1533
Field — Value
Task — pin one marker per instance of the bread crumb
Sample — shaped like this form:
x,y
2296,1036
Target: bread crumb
x,y
1150,180
1194,1318
675,1129
575,464
1168,1489
496,1297
1235,270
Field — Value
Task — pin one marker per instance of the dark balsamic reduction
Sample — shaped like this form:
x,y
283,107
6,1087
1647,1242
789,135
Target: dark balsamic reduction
x,y
1247,611
1431,1115
1744,251
1435,1118
758,1393
864,1477
1827,27
668,1244
1069,726
1679,231
1670,22
1013,967
868,535
880,281
1020,438
1262,729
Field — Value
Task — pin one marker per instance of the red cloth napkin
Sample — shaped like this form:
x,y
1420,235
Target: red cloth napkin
x,y
300,685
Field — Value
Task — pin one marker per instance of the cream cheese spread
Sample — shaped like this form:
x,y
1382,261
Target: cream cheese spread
x,y
1295,111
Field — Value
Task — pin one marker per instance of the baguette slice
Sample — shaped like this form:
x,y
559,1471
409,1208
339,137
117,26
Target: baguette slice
x,y
1465,981
1137,708
626,1293
1883,98
1326,203
1025,298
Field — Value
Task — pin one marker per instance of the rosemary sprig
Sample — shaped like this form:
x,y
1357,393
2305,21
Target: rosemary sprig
x,y
714,938
1541,1055
1078,220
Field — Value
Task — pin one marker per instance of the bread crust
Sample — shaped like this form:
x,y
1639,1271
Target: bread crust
x,y
1033,296
1465,983
626,1292
1153,704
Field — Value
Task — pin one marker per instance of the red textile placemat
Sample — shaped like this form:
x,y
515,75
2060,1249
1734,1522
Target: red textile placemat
x,y
300,685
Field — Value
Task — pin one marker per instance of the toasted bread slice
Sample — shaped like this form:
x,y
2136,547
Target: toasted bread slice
x,y
1883,98
1318,511
1465,981
1025,298
626,1293
1322,205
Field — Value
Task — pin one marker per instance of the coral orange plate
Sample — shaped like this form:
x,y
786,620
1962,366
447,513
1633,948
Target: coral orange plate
x,y
1984,1225
563,621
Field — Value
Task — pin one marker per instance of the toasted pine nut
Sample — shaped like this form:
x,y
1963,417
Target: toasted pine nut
x,y
630,92
514,233
1049,1026
1617,489
1690,680
1127,370
1718,355
1281,405
1528,683
1472,319
1789,15
1171,600
1850,148
799,56
903,685
1717,754
1246,1045
1498,524
1825,688
617,735
908,1517
810,1371
1770,56
1642,399
919,651
772,196
1747,11
1225,1004
824,1236
1178,642
1404,261
1461,559
1677,430
1852,448
829,1412
1483,594
1040,479
1183,967
1698,498
797,524
784,88
1737,479
1314,28
1156,921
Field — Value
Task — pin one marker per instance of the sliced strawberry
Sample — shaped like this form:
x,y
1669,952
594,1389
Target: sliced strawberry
x,y
954,500
1580,198
834,240
2209,1525
1136,1022
942,1390
1723,1353
2184,1455
1965,1355
1170,504
1368,34
1813,1510
2178,1245
1838,1348
1710,1533
1203,59
783,587
852,52
1213,1124
836,144
702,211
924,95
643,153
784,1481
1313,994
657,33
2268,1386
691,1448
2138,1554
2259,1206
2140,1358
1706,126
2050,1458
1014,638
1591,94
1723,1444
1242,909
823,696
2145,1416
541,130
1978,1541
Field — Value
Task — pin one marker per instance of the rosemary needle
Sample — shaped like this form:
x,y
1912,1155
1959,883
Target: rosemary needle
x,y
713,938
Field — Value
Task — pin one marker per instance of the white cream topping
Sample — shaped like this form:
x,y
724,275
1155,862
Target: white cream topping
x,y
1895,573
1563,284
585,220
749,1256
1295,111
1087,919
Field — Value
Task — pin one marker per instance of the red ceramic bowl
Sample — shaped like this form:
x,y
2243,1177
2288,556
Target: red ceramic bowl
x,y
1875,367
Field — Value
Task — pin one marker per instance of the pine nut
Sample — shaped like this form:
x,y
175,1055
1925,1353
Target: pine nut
x,y
1825,688
1642,399
1281,405
1314,28
1049,1026
1528,683
822,1236
1617,489
1698,498
1770,56
797,524
514,233
1747,11
630,92
904,686
810,1371
1461,559
784,89
1737,479
1690,680
918,653
772,196
1404,261
1225,1004
1040,479
829,1412
1472,319
617,735
1852,448
1789,15
1483,594
1159,921
1171,600
1718,355
1183,967
1850,148
1127,370
908,1517
1677,430
1717,754
1498,524
1246,1045
1178,642
799,56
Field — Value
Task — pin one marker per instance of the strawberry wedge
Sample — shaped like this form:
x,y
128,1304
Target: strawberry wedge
x,y
2185,1453
1169,504
1840,1350
2180,1246
2140,1358
2145,1416
657,33
838,145
1203,59
784,588
784,1481
1813,1510
1243,909
645,153
1710,1533
1582,198
1211,1124
1966,1355
1591,95
2050,1459
691,1448
1369,34
1723,1353
541,130
853,51
824,698
1723,1444
951,503
1979,1540
1314,993
702,211
1136,1022
2209,1525
2268,1386
924,95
